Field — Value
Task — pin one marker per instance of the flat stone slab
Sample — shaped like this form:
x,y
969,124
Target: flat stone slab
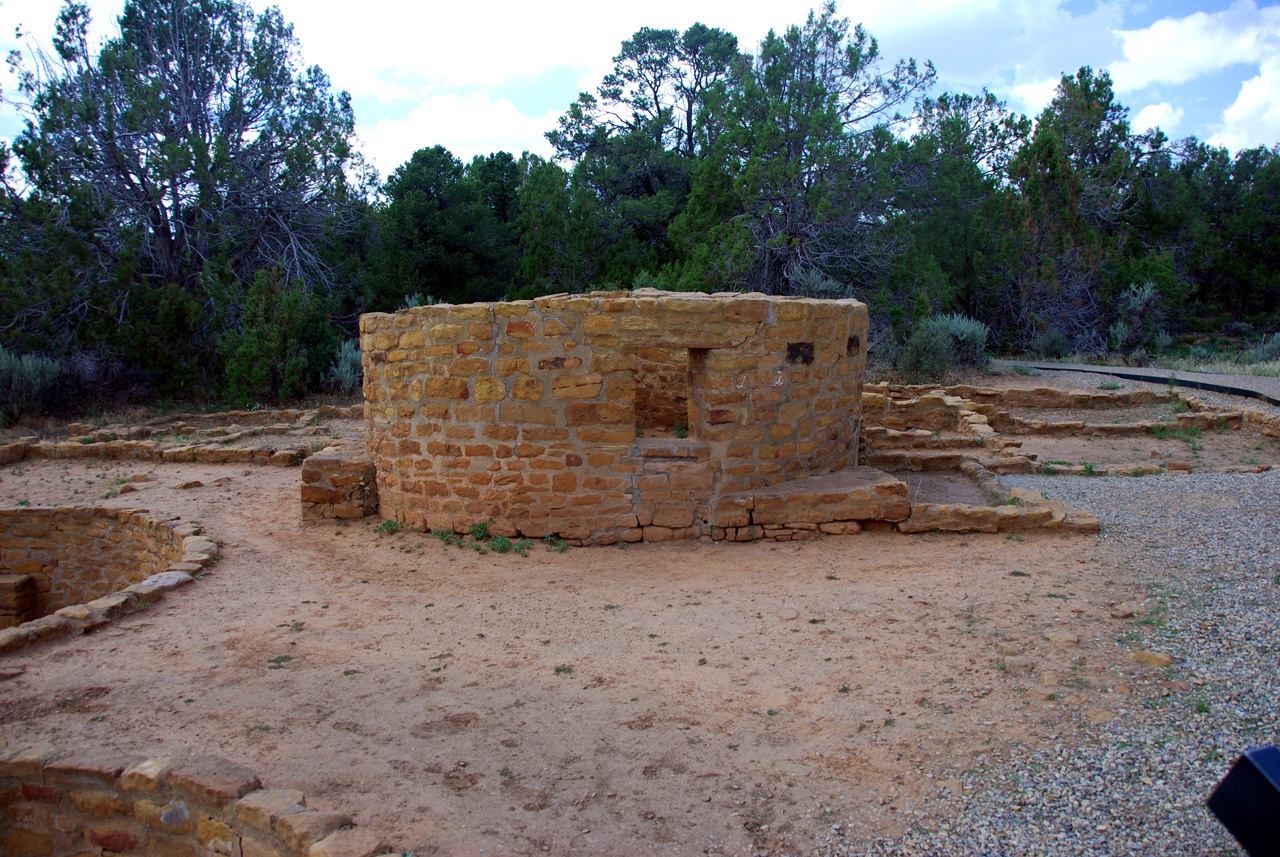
x,y
852,494
168,579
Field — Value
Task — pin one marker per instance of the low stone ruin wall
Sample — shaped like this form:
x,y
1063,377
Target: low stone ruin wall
x,y
532,414
338,483
99,801
70,569
77,553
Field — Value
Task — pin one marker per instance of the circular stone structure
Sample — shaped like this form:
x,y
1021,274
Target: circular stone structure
x,y
65,569
607,416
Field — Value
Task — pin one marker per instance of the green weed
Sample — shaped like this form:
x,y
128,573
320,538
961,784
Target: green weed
x,y
388,527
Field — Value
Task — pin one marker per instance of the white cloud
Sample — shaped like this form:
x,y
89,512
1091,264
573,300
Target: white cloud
x,y
1033,96
1177,50
1254,118
465,125
1164,116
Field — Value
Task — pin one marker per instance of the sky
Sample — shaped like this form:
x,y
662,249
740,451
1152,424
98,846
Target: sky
x,y
495,76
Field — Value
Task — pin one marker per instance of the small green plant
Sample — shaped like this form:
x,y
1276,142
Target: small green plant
x,y
564,669
23,502
278,662
521,546
388,527
1200,706
500,544
1110,385
555,544
1021,370
507,776
680,429
480,530
351,672
889,721
1090,469
844,688
1018,574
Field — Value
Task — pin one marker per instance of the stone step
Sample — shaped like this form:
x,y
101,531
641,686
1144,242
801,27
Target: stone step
x,y
852,494
915,459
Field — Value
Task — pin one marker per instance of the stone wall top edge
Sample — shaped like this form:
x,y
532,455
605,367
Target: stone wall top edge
x,y
374,320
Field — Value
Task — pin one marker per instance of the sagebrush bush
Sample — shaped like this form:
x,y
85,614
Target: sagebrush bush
x,y
926,357
968,338
1267,351
812,283
346,373
1052,342
25,383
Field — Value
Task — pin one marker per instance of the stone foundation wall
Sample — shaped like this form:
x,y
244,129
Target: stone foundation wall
x,y
75,554
99,801
526,413
338,484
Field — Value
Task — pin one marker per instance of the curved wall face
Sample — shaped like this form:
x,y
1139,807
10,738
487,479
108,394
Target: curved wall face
x,y
73,554
539,414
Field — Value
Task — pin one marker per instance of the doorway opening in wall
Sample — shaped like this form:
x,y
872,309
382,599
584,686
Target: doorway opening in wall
x,y
662,392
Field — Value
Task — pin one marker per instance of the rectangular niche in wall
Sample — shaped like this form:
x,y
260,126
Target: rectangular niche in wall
x,y
662,389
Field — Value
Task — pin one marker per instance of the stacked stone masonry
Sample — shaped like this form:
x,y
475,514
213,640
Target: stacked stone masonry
x,y
70,569
540,415
98,801
338,484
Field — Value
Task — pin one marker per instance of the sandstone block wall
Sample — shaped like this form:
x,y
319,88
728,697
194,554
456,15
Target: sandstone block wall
x,y
337,484
99,801
75,554
527,412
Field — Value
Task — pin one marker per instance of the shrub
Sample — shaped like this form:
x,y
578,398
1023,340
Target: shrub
x,y
968,338
812,283
24,384
1052,343
279,351
345,373
1267,351
926,357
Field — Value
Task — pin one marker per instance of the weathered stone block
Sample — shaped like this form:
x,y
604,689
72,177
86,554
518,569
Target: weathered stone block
x,y
300,830
213,779
260,809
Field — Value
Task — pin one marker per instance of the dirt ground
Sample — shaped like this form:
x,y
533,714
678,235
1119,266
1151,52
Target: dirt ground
x,y
1208,449
679,698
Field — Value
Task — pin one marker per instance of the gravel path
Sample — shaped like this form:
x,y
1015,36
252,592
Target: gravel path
x,y
1068,380
1262,385
1206,546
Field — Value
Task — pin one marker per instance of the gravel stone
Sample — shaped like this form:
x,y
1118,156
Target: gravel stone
x,y
1206,545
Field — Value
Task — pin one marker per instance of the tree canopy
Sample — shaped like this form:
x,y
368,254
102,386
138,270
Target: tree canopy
x,y
185,207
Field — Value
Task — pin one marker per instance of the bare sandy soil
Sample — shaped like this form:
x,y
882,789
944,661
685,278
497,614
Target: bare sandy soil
x,y
1209,449
680,698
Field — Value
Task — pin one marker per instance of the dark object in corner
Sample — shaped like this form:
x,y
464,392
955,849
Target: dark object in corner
x,y
1247,801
